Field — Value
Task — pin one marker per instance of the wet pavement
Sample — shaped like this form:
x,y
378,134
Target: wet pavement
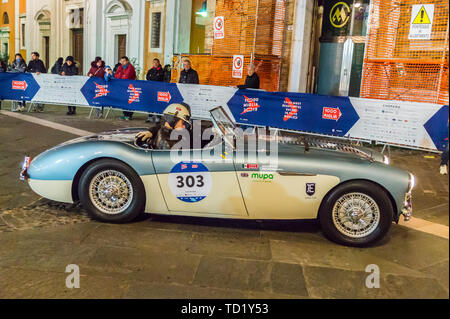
x,y
180,257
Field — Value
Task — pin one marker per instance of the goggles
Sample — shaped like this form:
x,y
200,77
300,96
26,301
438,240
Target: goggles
x,y
172,120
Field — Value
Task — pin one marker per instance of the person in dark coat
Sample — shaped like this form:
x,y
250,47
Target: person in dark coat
x,y
252,79
156,73
19,66
36,65
97,68
188,75
57,67
69,69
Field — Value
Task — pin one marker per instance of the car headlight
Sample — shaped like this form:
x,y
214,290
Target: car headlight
x,y
412,182
386,160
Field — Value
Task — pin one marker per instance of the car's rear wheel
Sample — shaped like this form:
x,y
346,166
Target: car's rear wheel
x,y
111,192
356,214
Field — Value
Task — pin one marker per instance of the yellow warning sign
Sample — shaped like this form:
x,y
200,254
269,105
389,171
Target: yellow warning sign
x,y
422,17
421,25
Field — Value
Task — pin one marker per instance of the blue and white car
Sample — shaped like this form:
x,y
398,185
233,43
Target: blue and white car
x,y
352,191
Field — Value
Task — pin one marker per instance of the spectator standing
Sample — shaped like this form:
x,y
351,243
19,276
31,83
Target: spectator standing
x,y
116,67
36,66
19,66
188,75
57,67
109,75
69,69
252,79
156,73
98,70
126,71
2,70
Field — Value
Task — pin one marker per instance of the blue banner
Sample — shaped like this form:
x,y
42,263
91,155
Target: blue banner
x,y
412,124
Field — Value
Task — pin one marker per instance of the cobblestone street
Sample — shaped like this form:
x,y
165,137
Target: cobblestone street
x,y
182,257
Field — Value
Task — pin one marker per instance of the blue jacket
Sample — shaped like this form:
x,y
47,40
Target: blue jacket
x,y
108,77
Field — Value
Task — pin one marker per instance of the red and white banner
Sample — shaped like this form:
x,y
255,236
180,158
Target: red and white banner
x,y
238,66
19,85
164,97
219,28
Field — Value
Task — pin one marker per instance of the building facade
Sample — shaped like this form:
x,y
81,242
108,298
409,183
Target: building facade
x,y
333,47
86,29
13,32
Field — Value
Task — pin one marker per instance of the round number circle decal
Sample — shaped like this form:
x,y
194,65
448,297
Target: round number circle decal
x,y
190,181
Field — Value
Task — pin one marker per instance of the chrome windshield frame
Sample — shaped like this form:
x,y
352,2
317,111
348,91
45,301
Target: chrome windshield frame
x,y
223,131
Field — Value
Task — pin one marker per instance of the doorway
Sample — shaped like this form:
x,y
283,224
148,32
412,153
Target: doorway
x,y
77,47
47,52
121,49
342,45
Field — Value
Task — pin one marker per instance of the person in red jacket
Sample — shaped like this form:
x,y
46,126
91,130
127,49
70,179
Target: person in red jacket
x,y
126,71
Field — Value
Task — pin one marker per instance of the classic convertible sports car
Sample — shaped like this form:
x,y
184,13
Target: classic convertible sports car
x,y
352,191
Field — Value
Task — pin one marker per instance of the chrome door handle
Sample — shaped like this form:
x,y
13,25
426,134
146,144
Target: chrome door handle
x,y
285,173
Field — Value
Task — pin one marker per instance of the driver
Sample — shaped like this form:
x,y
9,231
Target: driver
x,y
175,117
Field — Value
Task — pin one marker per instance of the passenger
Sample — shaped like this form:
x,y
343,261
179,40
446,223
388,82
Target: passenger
x,y
175,117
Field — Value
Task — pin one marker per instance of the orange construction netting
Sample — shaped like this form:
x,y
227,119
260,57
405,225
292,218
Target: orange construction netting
x,y
397,68
254,29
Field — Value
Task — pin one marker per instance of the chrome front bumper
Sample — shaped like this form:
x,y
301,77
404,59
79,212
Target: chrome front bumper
x,y
407,207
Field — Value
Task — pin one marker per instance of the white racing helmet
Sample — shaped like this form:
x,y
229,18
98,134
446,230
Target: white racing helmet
x,y
177,111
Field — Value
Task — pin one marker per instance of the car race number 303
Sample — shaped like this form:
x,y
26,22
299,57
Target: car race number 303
x,y
190,182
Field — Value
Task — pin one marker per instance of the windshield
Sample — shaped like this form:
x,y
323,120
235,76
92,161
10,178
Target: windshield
x,y
224,125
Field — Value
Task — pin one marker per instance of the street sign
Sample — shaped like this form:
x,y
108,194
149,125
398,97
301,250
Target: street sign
x,y
421,22
238,66
219,28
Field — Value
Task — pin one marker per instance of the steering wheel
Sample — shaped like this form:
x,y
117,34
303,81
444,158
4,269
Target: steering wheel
x,y
143,144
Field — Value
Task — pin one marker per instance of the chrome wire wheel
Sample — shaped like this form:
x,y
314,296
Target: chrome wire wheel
x,y
356,215
111,192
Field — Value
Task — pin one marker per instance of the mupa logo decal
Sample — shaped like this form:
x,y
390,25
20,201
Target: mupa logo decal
x,y
250,105
100,90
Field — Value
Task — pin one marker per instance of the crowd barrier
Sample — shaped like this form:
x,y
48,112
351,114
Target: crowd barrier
x,y
408,124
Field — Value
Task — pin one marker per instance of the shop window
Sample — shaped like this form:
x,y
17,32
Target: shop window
x,y
156,30
5,18
22,35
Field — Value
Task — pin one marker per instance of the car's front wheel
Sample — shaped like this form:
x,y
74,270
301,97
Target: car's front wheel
x,y
111,192
356,214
